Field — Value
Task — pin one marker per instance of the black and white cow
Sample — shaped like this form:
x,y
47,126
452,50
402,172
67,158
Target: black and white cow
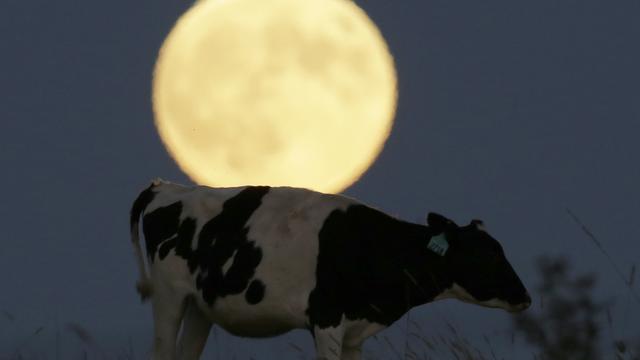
x,y
260,261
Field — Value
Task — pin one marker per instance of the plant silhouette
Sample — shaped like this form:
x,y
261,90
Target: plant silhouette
x,y
566,323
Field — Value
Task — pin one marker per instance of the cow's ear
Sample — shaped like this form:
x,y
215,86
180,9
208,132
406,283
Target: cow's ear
x,y
478,224
439,223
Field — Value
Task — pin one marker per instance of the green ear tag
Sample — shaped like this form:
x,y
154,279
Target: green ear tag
x,y
438,244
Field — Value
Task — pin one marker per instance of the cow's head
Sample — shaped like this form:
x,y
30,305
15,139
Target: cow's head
x,y
477,265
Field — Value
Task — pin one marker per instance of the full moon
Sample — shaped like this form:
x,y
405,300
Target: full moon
x,y
274,92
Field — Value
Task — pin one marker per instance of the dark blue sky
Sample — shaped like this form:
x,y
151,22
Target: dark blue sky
x,y
508,111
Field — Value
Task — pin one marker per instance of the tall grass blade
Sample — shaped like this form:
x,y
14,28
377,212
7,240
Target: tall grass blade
x,y
605,253
81,333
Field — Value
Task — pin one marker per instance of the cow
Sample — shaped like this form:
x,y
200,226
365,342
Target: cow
x,y
260,261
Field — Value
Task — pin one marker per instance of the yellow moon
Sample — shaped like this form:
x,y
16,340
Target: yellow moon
x,y
274,92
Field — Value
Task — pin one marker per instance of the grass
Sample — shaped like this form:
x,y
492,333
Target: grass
x,y
451,343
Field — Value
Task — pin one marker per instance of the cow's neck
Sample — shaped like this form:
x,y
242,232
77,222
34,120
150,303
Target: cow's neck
x,y
420,274
426,275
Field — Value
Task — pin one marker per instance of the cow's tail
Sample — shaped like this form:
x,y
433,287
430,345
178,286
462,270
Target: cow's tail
x,y
139,205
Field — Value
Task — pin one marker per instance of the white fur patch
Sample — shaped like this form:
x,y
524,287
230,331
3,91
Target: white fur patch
x,y
229,262
458,292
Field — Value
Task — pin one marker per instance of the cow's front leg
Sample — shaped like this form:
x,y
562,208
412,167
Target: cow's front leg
x,y
328,342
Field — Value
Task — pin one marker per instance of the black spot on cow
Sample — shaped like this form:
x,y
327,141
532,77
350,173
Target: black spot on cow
x,y
159,226
186,232
255,292
142,201
243,267
371,266
166,247
224,237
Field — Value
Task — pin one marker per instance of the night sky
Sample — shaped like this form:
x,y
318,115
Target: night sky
x,y
508,111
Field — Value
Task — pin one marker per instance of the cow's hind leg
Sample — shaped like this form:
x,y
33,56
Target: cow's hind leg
x,y
328,342
168,309
195,330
